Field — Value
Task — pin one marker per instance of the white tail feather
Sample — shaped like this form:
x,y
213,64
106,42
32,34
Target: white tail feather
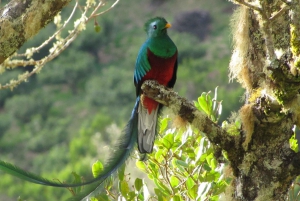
x,y
146,129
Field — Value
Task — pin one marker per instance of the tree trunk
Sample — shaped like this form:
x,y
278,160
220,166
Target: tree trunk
x,y
266,61
22,19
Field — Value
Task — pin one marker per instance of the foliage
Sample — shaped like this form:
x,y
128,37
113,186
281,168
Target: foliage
x,y
182,166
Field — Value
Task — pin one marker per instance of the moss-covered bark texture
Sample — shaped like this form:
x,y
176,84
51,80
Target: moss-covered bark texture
x,y
22,19
266,61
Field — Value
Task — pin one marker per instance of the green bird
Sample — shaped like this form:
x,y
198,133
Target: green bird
x,y
156,60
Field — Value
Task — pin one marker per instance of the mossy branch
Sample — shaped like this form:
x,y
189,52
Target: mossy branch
x,y
188,112
8,60
20,20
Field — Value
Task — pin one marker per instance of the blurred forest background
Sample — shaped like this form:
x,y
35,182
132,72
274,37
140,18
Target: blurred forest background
x,y
67,117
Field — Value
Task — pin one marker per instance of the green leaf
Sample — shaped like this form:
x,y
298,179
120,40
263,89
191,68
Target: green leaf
x,y
177,198
124,188
121,172
174,181
190,183
214,198
202,103
151,176
192,192
294,143
205,103
103,197
163,124
168,140
211,176
138,184
97,168
181,163
213,163
158,155
141,165
162,187
206,167
153,169
220,187
131,195
160,195
190,152
197,105
97,28
202,158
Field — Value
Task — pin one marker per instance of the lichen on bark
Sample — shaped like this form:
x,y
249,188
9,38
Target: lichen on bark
x,y
269,73
22,19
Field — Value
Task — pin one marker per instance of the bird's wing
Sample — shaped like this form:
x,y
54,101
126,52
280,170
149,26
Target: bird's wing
x,y
171,83
142,66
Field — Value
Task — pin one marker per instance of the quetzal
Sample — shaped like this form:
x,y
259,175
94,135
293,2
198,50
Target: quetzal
x,y
156,60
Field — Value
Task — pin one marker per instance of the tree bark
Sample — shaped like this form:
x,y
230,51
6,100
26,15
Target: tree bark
x,y
266,61
22,19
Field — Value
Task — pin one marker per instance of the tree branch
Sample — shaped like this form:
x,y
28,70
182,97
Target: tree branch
x,y
187,111
22,19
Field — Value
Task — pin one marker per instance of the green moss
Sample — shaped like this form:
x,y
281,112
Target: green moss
x,y
295,40
285,85
297,62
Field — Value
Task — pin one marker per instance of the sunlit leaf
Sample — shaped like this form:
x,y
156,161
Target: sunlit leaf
x,y
205,103
174,181
192,192
190,152
160,195
159,155
97,168
153,169
189,183
162,187
163,124
294,143
141,165
177,198
168,141
213,163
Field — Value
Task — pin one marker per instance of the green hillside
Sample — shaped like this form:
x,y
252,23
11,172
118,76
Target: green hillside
x,y
67,116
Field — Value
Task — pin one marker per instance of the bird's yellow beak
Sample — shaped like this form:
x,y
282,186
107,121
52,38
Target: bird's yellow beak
x,y
168,25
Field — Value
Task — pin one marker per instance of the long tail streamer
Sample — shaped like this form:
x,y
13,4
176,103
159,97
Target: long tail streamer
x,y
123,149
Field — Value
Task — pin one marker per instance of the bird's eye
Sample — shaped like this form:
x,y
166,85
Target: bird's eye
x,y
154,27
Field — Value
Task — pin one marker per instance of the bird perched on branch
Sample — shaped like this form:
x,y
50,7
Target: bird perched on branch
x,y
156,60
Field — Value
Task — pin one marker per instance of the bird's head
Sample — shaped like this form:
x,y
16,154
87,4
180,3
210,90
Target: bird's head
x,y
156,27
